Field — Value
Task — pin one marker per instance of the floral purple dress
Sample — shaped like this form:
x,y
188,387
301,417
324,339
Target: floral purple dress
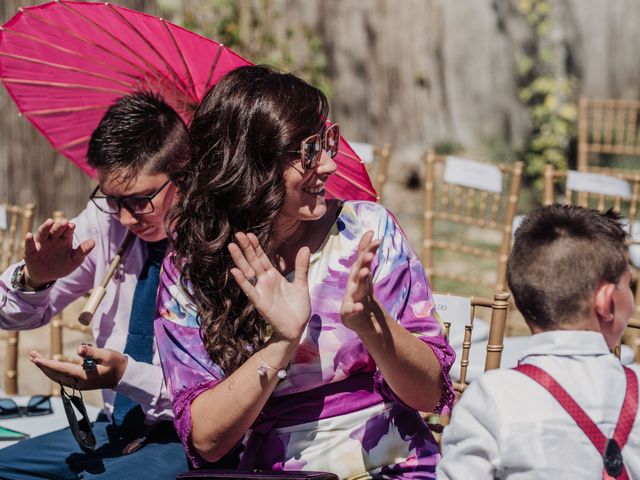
x,y
334,411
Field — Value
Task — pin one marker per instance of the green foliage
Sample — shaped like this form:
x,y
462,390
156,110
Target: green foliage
x,y
248,28
496,149
448,147
548,92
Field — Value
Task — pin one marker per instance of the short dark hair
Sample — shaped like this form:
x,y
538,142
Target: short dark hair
x,y
139,132
561,253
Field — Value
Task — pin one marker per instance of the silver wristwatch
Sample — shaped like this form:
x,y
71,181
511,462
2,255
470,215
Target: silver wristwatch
x,y
18,283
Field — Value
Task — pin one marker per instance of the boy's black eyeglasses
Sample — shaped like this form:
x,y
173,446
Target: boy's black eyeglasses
x,y
135,204
37,405
311,147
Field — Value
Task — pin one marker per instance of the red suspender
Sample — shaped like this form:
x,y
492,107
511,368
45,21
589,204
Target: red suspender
x,y
610,449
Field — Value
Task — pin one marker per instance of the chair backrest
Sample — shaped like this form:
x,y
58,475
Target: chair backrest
x,y
468,212
376,159
593,190
59,323
607,126
15,223
460,312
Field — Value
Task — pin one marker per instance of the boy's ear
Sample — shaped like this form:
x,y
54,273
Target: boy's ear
x,y
604,301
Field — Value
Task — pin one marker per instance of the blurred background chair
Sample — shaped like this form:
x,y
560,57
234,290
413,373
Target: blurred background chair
x,y
459,315
376,159
609,136
619,192
469,207
15,223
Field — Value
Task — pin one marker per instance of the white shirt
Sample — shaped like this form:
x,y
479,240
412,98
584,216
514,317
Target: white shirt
x,y
506,425
143,382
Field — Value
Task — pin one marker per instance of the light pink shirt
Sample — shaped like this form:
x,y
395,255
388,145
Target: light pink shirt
x,y
142,382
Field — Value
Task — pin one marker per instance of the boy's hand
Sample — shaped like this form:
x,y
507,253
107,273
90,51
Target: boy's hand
x,y
110,367
49,254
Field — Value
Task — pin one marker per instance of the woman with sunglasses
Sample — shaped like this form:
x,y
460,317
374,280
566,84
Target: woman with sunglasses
x,y
294,330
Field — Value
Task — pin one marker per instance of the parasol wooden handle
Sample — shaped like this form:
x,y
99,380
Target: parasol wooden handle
x,y
98,293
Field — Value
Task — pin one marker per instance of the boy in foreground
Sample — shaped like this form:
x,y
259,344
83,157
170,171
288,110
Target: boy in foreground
x,y
570,278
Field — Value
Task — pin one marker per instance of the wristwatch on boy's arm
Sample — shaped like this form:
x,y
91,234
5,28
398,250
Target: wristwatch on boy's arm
x,y
18,281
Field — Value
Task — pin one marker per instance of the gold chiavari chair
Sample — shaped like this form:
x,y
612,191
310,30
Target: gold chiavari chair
x,y
376,159
620,192
460,313
59,323
15,223
468,212
608,127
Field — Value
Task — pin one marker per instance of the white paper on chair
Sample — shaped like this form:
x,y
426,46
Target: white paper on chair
x,y
599,184
3,218
472,174
452,309
363,150
634,247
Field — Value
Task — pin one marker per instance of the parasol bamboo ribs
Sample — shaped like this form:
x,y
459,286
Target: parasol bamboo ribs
x,y
98,293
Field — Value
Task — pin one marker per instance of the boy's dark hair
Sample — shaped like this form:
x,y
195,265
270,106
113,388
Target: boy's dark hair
x,y
139,132
561,253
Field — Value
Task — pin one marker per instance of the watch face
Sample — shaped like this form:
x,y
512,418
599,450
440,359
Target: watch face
x,y
17,278
17,281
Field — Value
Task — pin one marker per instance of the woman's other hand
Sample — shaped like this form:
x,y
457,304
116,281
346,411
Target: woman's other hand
x,y
285,305
358,296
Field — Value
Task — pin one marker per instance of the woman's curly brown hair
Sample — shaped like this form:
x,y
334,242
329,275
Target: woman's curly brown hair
x,y
239,139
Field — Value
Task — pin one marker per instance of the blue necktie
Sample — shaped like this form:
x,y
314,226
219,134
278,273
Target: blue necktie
x,y
128,413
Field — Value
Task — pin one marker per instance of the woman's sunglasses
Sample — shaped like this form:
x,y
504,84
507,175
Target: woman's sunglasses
x,y
311,147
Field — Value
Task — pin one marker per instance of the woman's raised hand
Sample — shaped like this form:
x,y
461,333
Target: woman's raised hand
x,y
49,254
285,305
358,294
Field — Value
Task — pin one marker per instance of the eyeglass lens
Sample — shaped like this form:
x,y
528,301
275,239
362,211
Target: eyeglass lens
x,y
132,204
8,408
312,147
39,405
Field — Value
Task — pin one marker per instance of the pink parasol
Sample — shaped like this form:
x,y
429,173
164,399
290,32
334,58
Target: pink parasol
x,y
65,62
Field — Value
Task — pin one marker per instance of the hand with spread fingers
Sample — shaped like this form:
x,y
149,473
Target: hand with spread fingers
x,y
110,367
358,296
285,305
49,254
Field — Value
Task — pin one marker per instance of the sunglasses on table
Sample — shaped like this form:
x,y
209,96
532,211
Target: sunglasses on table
x,y
134,204
312,146
37,405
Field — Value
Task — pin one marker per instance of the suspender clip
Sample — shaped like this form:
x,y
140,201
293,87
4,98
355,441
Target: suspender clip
x,y
612,458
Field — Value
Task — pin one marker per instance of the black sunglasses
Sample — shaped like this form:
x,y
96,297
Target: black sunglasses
x,y
311,147
37,405
135,204
80,428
